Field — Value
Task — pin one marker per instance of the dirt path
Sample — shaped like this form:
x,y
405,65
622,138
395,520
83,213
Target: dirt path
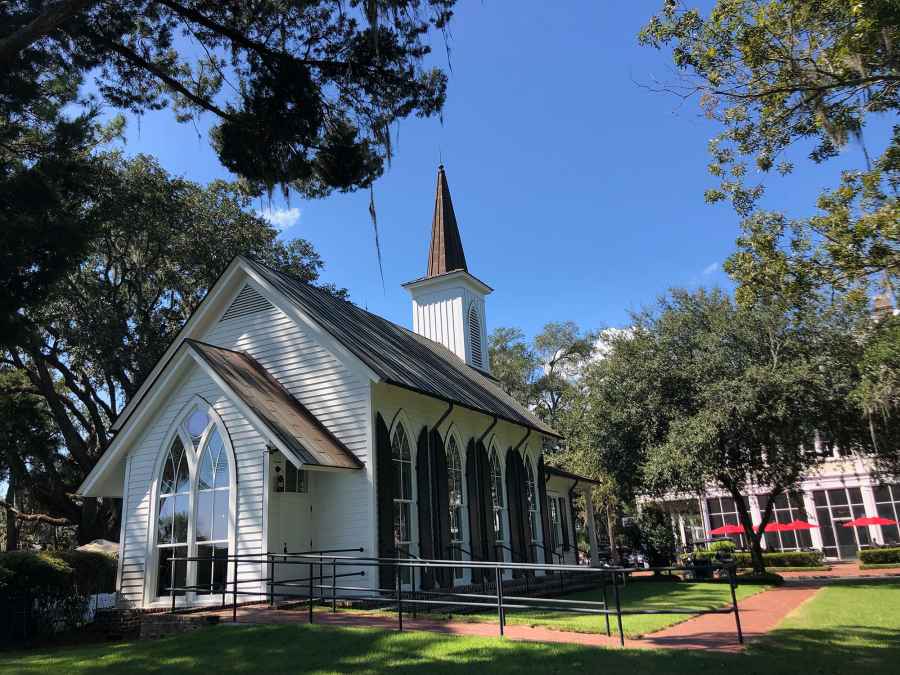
x,y
759,613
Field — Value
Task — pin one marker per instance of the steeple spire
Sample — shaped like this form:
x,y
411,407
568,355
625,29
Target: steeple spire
x,y
446,251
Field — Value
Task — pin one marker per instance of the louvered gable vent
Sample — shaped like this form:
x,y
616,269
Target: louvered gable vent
x,y
248,301
475,337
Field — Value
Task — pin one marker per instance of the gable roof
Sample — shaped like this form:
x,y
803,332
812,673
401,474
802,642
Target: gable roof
x,y
282,414
398,356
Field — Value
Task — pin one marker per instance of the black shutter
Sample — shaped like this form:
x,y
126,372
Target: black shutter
x,y
384,490
564,525
545,516
475,509
441,500
424,507
514,504
488,538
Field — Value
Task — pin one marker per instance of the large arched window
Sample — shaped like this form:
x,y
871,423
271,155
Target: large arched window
x,y
457,503
532,497
193,509
497,496
403,495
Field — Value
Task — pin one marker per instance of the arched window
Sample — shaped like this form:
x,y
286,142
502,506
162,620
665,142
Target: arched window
x,y
475,336
213,496
532,497
173,519
193,509
402,495
497,495
457,503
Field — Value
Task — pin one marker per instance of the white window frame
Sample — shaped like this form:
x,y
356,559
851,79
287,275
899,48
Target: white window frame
x,y
151,570
462,529
400,421
498,497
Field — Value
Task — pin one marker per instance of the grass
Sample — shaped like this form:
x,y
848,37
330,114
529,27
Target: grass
x,y
845,629
636,595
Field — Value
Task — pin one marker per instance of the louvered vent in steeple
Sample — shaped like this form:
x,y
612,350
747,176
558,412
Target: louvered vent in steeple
x,y
475,337
248,301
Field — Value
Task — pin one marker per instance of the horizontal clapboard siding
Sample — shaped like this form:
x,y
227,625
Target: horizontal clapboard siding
x,y
340,399
249,448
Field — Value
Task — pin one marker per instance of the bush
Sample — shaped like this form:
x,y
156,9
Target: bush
x,y
725,546
653,535
880,556
774,559
53,588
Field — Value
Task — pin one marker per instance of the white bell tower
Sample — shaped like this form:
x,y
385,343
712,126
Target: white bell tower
x,y
448,302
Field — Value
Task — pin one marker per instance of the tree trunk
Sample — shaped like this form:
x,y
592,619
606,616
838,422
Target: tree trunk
x,y
12,525
611,531
755,538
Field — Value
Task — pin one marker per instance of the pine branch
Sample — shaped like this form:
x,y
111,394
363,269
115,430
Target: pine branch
x,y
51,18
34,517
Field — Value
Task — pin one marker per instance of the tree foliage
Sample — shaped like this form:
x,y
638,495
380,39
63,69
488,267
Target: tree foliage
x,y
303,93
705,392
161,243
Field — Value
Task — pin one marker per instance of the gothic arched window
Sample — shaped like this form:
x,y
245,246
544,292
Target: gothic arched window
x,y
497,495
457,503
194,506
403,496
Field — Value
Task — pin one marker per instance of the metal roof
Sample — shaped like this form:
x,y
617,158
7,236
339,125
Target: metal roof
x,y
399,356
288,419
446,252
554,471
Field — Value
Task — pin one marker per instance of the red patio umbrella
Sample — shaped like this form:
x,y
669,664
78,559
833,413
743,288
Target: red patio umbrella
x,y
797,525
775,527
862,522
728,529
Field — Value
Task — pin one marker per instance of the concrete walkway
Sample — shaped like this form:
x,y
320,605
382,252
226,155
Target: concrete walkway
x,y
759,613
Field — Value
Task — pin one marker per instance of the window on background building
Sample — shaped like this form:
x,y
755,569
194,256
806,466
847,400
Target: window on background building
x,y
193,510
788,507
722,511
402,496
532,496
497,496
555,524
834,508
457,503
887,504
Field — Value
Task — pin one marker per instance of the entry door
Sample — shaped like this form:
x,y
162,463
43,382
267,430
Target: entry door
x,y
290,521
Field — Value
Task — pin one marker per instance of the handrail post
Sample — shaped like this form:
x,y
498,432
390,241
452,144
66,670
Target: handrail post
x,y
321,579
732,581
399,599
271,579
499,579
619,616
234,583
310,592
605,604
333,585
172,579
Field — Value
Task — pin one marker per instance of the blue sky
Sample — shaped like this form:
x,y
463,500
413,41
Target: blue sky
x,y
579,193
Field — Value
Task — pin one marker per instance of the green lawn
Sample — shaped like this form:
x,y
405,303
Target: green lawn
x,y
845,629
636,595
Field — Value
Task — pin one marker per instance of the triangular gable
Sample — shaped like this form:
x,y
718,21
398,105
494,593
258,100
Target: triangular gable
x,y
218,302
316,447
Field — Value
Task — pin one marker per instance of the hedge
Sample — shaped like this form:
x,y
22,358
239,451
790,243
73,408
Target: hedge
x,y
43,592
774,559
879,556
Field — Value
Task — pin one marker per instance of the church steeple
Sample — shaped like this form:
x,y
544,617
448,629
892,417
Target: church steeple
x,y
448,302
446,251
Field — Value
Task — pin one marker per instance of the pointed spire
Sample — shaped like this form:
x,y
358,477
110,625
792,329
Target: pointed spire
x,y
446,251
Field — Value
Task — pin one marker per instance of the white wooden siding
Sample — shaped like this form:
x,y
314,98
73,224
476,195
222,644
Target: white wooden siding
x,y
137,556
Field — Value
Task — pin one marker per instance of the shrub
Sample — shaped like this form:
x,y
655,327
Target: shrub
x,y
53,588
774,559
724,546
880,556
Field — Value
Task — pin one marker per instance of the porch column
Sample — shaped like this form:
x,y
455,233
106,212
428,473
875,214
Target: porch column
x,y
591,526
704,515
815,534
756,514
868,495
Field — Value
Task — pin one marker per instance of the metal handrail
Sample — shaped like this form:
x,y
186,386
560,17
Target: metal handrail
x,y
498,600
550,550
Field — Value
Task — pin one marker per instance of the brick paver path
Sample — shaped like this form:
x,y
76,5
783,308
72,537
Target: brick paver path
x,y
760,613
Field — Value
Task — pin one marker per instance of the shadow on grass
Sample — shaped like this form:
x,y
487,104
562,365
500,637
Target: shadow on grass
x,y
300,648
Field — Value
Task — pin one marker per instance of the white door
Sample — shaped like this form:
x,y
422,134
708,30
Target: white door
x,y
290,518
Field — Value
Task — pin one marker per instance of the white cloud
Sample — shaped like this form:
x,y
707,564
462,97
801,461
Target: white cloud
x,y
712,268
282,218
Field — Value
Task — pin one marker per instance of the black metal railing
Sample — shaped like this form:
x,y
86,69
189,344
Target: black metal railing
x,y
312,588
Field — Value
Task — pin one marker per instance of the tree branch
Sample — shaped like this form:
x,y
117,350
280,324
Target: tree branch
x,y
34,517
51,18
